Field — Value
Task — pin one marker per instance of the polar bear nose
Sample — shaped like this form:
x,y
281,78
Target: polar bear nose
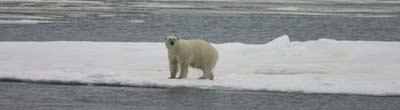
x,y
172,43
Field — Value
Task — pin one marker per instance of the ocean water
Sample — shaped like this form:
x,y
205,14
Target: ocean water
x,y
217,22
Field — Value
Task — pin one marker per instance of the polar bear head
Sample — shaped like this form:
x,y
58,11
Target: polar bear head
x,y
171,41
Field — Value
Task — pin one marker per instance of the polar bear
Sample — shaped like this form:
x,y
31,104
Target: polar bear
x,y
196,53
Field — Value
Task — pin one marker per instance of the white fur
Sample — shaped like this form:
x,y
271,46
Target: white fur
x,y
195,53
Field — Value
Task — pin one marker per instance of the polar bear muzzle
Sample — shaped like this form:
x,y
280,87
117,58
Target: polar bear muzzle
x,y
171,40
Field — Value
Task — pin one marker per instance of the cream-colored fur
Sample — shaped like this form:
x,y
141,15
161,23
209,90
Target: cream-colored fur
x,y
195,53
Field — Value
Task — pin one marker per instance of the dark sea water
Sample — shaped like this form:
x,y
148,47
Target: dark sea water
x,y
28,96
218,22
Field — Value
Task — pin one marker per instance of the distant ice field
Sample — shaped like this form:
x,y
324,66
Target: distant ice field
x,y
316,66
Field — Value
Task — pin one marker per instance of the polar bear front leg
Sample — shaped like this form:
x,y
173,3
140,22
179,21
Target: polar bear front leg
x,y
173,67
184,70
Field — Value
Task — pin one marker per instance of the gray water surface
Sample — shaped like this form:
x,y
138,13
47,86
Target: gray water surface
x,y
28,96
214,21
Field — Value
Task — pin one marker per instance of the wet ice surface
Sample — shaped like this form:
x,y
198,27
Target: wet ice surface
x,y
218,22
321,66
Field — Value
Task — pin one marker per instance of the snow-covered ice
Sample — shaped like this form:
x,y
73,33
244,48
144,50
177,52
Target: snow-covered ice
x,y
319,66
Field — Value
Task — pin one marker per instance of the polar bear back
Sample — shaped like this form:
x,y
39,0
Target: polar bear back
x,y
204,54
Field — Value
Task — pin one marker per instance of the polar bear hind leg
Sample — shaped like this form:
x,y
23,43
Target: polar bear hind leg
x,y
207,74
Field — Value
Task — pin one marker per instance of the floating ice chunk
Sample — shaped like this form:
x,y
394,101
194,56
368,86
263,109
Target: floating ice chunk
x,y
136,21
55,1
159,5
285,8
318,66
24,21
15,16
